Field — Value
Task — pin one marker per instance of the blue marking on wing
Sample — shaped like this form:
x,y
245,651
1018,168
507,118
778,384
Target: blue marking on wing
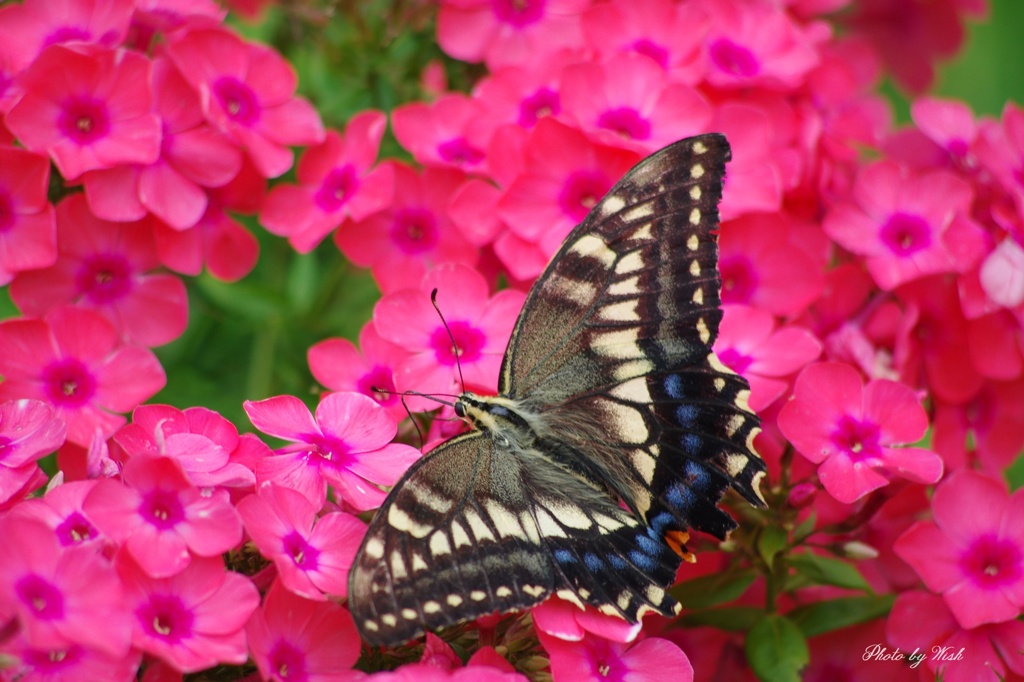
x,y
674,386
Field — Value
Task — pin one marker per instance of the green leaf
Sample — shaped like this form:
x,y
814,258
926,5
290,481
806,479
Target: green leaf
x,y
805,528
712,590
772,540
728,618
776,649
825,616
821,570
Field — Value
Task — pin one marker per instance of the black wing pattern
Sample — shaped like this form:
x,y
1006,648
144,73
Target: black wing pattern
x,y
610,393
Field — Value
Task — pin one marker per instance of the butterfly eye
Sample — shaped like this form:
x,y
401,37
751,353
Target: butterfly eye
x,y
460,409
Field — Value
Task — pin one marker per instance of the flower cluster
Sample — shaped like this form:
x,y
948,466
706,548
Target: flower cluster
x,y
875,302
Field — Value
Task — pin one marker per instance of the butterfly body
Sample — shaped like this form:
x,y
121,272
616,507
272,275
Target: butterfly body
x,y
616,429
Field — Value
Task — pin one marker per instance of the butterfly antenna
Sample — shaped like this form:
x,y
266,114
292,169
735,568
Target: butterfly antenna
x,y
455,347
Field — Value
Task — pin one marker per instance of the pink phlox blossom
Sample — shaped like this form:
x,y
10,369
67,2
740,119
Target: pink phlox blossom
x,y
292,638
505,33
923,622
568,622
986,431
71,359
932,347
401,243
62,511
749,344
909,36
479,671
192,620
1001,275
193,156
565,175
336,180
763,163
850,430
154,17
996,344
55,662
347,445
758,44
29,27
771,262
161,519
199,439
107,267
29,430
597,659
439,654
340,366
670,34
28,227
60,595
477,332
973,552
218,241
907,225
522,96
646,116
452,132
947,124
247,91
87,110
312,553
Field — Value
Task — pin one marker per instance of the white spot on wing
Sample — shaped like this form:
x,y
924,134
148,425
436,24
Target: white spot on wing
x,y
631,262
401,521
623,311
697,171
439,544
567,514
612,204
480,530
590,246
504,521
695,216
626,287
374,548
548,526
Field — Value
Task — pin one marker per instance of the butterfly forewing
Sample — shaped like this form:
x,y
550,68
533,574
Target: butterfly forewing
x,y
617,429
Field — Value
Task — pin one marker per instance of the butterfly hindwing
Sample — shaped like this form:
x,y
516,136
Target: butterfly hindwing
x,y
616,431
472,529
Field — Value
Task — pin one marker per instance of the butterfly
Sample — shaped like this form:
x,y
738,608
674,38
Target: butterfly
x,y
615,432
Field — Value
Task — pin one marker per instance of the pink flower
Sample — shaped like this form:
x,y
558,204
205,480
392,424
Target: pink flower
x,y
475,671
973,553
907,225
28,230
205,444
749,344
772,262
87,110
756,44
218,241
480,327
312,554
413,234
453,131
338,365
61,510
33,25
850,429
192,620
160,518
922,622
60,595
348,445
947,123
566,621
247,91
909,36
596,658
987,430
669,34
71,359
29,430
504,32
54,662
106,267
193,156
336,181
565,175
292,638
650,114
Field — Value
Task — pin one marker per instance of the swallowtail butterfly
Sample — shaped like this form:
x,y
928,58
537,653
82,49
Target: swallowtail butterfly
x,y
616,429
